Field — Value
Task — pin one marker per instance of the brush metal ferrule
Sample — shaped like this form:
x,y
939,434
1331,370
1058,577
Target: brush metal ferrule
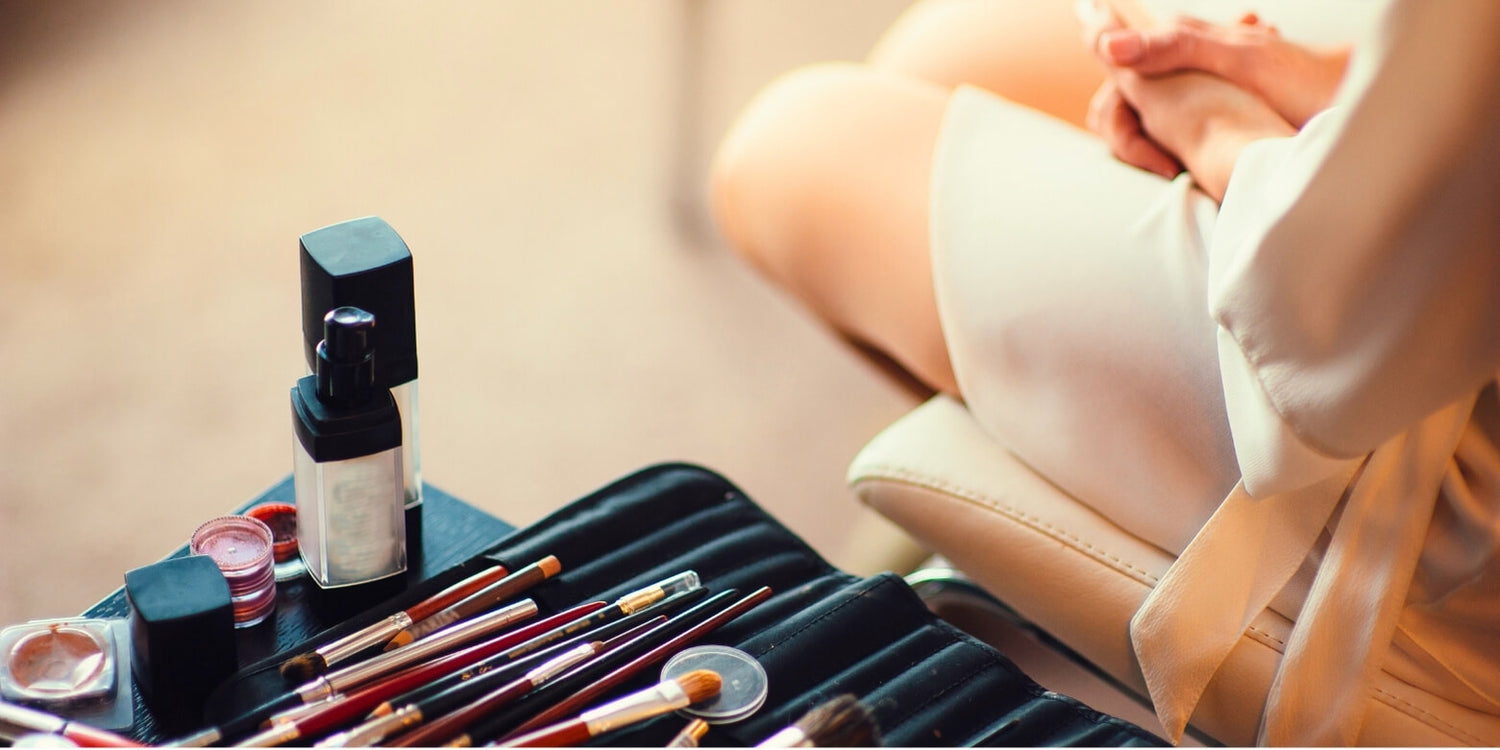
x,y
375,635
277,735
372,732
792,736
320,689
391,661
690,734
642,598
664,698
293,714
560,663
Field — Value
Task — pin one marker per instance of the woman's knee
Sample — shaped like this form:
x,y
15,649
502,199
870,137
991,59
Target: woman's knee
x,y
762,178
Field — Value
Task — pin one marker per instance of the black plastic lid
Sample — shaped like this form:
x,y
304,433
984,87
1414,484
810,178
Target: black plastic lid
x,y
362,263
181,633
330,433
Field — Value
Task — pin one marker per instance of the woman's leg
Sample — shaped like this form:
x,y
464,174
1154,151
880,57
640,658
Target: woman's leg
x,y
1028,51
822,185
823,182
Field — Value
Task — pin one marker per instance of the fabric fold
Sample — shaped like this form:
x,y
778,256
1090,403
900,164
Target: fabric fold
x,y
1194,617
1321,693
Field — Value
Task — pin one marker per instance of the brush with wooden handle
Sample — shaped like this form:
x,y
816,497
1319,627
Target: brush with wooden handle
x,y
479,601
308,665
668,696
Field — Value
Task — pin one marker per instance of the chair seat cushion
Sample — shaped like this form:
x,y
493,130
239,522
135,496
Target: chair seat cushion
x,y
1080,577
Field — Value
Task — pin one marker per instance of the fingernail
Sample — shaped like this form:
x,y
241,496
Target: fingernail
x,y
1122,47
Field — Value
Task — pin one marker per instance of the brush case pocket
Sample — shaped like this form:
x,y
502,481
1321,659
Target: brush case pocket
x,y
822,633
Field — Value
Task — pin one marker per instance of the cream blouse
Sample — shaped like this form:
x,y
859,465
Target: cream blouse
x,y
1354,273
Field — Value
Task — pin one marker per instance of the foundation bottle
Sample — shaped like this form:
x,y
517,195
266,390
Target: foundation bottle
x,y
364,263
347,460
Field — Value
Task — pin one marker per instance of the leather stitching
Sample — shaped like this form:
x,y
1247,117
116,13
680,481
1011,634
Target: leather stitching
x,y
1427,717
1265,636
919,479
931,482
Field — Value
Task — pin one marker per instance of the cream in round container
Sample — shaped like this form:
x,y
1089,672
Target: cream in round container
x,y
242,547
744,684
57,662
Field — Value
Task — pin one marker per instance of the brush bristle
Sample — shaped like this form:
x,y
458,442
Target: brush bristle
x,y
402,638
303,667
840,722
700,684
550,565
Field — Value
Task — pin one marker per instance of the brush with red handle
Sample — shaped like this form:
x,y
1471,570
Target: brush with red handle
x,y
331,714
30,720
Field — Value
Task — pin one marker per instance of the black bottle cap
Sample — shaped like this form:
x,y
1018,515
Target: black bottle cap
x,y
346,357
181,630
362,263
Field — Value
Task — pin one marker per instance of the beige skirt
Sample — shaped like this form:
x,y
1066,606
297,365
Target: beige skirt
x,y
1071,289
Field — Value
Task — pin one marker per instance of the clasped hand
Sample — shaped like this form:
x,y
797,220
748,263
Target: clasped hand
x,y
1191,94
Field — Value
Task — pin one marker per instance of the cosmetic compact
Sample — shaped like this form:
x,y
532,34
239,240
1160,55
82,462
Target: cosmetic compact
x,y
742,692
78,668
57,661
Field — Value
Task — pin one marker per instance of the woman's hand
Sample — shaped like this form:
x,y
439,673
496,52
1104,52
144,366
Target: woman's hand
x,y
1297,82
1156,115
1200,119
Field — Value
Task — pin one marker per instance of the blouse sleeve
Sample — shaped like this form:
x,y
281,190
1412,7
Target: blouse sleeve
x,y
1354,270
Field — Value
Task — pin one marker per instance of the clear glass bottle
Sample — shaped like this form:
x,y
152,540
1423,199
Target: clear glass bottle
x,y
347,460
364,263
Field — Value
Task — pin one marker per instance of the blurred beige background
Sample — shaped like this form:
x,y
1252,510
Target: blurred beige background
x,y
577,319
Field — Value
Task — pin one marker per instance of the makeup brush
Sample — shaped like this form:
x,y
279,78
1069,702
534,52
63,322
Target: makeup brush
x,y
592,627
625,605
690,735
459,708
304,667
653,648
363,673
372,732
841,722
30,720
479,601
324,716
694,687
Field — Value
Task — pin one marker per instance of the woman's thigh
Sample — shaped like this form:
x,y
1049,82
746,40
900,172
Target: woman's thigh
x,y
823,185
1030,52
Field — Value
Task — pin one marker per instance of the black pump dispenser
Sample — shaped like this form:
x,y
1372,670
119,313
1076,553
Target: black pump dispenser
x,y
346,357
347,460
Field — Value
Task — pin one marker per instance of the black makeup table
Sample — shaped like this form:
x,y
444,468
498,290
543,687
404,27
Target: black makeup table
x,y
452,531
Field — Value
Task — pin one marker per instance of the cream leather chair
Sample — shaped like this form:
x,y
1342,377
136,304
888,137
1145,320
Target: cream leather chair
x,y
1080,578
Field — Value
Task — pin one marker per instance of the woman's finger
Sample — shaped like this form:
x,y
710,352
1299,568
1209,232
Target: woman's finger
x,y
1119,126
